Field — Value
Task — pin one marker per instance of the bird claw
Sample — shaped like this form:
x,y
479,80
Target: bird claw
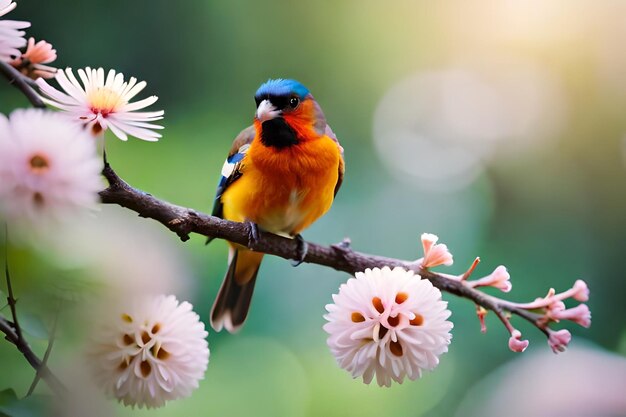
x,y
301,252
253,234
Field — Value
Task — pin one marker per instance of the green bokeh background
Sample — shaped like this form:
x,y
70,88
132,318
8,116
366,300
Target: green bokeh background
x,y
551,216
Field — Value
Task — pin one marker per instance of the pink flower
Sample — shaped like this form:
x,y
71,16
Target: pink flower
x,y
49,172
499,278
435,254
515,342
559,340
581,291
30,63
387,323
580,314
11,33
149,350
103,103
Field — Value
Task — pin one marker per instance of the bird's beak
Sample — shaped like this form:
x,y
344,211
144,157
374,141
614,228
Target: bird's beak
x,y
266,111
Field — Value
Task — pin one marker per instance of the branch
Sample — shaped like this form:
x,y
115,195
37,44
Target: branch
x,y
42,369
23,83
46,355
183,221
13,333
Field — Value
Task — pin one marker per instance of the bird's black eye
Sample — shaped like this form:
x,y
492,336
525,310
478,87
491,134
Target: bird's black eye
x,y
293,102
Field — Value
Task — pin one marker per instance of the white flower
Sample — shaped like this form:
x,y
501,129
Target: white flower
x,y
388,323
103,103
149,351
11,35
49,171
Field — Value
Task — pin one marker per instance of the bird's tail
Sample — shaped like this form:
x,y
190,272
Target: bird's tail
x,y
233,300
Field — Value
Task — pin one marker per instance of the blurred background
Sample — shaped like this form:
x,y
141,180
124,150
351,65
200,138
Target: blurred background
x,y
499,126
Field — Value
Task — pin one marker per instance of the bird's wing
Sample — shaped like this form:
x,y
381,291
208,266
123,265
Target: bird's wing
x,y
342,167
232,168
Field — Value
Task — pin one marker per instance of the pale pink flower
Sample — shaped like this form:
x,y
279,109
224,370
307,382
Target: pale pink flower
x,y
434,254
559,340
499,278
149,351
580,314
49,172
11,33
387,323
30,63
516,344
102,103
580,291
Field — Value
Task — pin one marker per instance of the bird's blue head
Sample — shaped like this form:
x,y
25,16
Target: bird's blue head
x,y
287,113
281,88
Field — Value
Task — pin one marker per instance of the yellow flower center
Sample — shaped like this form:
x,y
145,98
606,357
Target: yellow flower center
x,y
104,100
39,164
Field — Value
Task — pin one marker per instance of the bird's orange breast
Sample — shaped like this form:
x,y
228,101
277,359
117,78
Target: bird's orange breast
x,y
284,190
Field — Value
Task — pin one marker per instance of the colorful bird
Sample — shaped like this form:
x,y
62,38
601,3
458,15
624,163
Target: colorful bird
x,y
282,173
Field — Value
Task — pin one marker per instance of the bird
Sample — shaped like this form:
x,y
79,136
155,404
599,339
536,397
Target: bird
x,y
282,173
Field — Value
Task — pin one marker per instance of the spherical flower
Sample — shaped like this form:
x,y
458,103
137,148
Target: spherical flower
x,y
388,323
11,35
149,351
49,171
30,63
102,103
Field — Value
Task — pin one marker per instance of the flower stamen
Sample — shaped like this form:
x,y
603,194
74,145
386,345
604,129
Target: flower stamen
x,y
39,164
145,368
378,304
357,317
395,348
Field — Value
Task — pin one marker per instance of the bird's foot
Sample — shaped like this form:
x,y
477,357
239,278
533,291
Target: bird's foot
x,y
301,252
253,234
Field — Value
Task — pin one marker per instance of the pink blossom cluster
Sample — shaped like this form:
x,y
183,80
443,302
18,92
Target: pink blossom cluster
x,y
543,311
552,309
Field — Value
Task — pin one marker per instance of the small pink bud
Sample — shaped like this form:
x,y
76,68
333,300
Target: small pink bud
x,y
481,312
515,342
435,254
559,340
499,278
581,291
580,315
31,62
40,52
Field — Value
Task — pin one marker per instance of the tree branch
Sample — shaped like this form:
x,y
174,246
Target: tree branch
x,y
42,369
183,221
13,333
23,83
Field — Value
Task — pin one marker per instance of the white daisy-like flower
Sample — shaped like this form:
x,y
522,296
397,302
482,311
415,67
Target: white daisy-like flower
x,y
102,103
11,33
49,172
388,323
149,351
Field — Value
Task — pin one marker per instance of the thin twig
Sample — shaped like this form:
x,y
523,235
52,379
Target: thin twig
x,y
51,380
13,333
46,356
10,297
23,83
